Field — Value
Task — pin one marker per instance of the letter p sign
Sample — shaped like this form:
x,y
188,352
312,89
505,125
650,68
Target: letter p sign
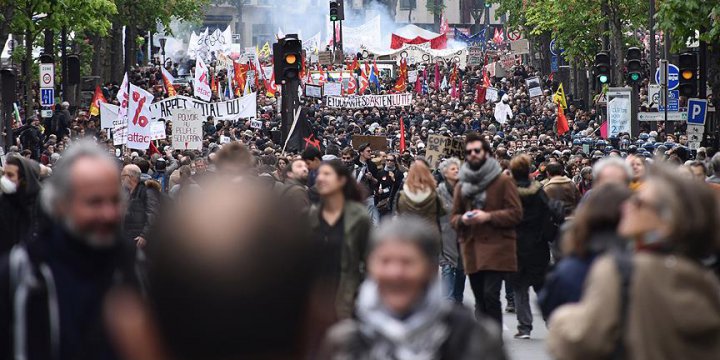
x,y
697,110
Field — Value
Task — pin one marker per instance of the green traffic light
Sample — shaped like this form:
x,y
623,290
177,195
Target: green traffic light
x,y
634,76
603,79
333,18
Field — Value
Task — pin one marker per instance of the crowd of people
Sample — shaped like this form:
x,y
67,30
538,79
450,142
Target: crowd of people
x,y
351,252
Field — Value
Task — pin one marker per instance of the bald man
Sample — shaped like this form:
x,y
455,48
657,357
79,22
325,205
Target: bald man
x,y
143,206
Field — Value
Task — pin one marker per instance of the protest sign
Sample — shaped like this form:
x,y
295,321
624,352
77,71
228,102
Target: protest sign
x,y
138,129
383,101
443,147
376,142
187,129
475,55
313,91
491,94
157,130
412,76
332,89
108,115
255,124
201,81
533,85
244,107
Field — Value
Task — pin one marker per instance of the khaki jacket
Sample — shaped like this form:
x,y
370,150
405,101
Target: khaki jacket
x,y
673,312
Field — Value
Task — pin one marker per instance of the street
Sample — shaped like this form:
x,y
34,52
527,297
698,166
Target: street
x,y
532,349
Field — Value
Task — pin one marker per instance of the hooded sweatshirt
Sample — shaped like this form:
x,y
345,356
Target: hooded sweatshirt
x,y
20,211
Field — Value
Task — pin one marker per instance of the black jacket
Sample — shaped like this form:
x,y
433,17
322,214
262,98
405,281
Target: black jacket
x,y
532,250
20,211
369,185
142,210
65,281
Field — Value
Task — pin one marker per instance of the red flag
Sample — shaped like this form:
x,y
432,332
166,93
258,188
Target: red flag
x,y
444,27
96,100
355,65
486,78
367,67
401,84
480,97
153,149
167,81
352,85
562,123
213,85
402,135
270,86
364,82
603,130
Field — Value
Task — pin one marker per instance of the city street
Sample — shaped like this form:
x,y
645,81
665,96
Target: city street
x,y
532,349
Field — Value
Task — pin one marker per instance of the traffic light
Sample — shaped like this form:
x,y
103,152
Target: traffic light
x,y
602,68
488,4
688,74
337,12
634,66
287,58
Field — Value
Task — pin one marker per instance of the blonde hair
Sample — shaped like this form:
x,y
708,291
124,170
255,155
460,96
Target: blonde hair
x,y
420,178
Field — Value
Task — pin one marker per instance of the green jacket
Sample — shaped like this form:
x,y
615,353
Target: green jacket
x,y
354,251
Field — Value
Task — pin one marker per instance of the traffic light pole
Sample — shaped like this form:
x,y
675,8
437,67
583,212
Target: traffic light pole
x,y
289,102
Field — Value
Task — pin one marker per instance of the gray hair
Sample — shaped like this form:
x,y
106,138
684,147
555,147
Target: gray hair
x,y
604,163
445,164
58,187
715,163
410,229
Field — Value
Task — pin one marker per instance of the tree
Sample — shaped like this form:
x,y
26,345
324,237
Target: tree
x,y
436,7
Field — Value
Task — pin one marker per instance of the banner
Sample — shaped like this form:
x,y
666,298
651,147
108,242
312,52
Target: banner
x,y
243,107
412,76
201,81
187,129
108,115
354,102
491,94
313,91
138,129
534,88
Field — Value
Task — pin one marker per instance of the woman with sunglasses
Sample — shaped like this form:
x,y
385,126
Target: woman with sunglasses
x,y
663,302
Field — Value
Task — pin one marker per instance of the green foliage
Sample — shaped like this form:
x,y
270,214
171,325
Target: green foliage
x,y
146,13
683,17
75,15
435,8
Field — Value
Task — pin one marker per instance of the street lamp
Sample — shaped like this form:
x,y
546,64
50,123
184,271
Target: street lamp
x,y
163,41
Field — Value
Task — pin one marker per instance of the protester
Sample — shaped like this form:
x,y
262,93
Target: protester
x,y
452,275
390,181
419,196
19,206
312,158
638,307
715,165
638,168
58,282
366,174
592,232
486,210
143,205
400,311
561,188
340,223
296,177
533,253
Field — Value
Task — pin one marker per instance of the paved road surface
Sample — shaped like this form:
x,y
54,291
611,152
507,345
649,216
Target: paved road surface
x,y
533,349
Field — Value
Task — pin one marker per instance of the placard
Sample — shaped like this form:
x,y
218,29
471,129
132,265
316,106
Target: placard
x,y
187,129
313,91
475,56
157,130
376,142
325,57
443,147
256,124
332,89
491,94
534,88
412,76
520,47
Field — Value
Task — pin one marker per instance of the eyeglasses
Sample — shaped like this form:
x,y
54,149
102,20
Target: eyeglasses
x,y
390,160
476,151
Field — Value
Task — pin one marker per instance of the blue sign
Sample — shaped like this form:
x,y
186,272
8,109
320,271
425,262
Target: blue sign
x,y
553,48
47,96
673,101
697,109
554,64
673,77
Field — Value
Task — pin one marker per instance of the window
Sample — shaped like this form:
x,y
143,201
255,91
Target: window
x,y
408,4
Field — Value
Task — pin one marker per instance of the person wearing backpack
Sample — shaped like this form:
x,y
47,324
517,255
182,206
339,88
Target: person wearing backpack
x,y
31,138
661,302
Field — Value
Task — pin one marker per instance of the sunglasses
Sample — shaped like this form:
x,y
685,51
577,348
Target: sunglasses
x,y
476,151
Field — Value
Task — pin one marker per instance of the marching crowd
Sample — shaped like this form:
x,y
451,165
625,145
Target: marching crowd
x,y
339,252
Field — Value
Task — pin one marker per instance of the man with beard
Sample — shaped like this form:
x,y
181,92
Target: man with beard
x,y
296,191
51,290
486,210
143,205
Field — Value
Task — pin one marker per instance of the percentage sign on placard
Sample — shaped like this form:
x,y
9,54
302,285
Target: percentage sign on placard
x,y
138,119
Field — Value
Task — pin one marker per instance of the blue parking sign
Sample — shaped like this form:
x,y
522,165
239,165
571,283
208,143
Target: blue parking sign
x,y
697,109
47,96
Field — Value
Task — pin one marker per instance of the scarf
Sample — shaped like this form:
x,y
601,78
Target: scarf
x,y
418,336
473,183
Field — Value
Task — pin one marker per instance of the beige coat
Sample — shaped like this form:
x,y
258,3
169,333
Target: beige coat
x,y
673,312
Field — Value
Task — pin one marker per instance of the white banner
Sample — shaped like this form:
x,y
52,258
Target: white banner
x,y
157,130
138,125
412,76
618,116
108,115
201,82
243,107
355,102
187,129
332,89
534,88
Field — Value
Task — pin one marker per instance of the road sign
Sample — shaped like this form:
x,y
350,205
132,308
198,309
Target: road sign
x,y
553,48
47,75
514,35
660,116
47,97
673,101
673,77
46,114
554,63
697,109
